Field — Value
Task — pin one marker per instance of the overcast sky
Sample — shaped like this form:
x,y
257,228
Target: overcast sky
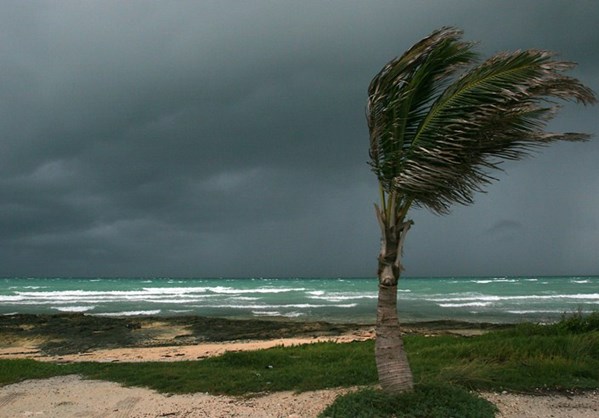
x,y
228,138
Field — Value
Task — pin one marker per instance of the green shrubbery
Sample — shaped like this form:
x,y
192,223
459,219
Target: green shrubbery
x,y
425,401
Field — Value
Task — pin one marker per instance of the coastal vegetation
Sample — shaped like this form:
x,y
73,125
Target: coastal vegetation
x,y
448,370
62,334
439,123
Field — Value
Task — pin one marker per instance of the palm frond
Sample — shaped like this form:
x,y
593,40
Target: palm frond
x,y
399,96
434,141
497,111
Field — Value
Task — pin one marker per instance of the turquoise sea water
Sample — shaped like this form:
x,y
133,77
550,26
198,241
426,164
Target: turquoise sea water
x,y
475,299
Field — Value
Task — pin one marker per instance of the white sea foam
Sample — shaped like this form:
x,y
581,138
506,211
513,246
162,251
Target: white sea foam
x,y
580,281
11,298
277,313
266,307
184,300
27,287
340,297
495,280
128,294
535,311
229,290
266,313
130,313
174,290
493,298
73,308
462,305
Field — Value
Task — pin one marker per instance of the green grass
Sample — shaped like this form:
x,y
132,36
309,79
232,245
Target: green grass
x,y
530,358
425,401
525,358
12,371
301,368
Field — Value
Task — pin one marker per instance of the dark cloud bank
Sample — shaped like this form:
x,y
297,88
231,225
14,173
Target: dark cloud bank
x,y
228,139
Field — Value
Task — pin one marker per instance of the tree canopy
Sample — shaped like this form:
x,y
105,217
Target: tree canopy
x,y
440,122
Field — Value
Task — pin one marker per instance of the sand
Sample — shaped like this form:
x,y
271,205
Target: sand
x,y
170,353
73,396
557,406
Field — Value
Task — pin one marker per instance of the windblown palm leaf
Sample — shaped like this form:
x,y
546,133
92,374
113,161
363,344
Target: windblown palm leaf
x,y
435,136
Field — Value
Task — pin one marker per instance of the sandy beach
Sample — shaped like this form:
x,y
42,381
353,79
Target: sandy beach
x,y
171,353
70,396
73,396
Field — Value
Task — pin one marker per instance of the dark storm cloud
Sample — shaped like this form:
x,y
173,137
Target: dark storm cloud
x,y
504,228
228,138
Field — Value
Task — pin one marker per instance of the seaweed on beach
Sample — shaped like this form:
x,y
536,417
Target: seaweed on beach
x,y
77,333
72,333
220,329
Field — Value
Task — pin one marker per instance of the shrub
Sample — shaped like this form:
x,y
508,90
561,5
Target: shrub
x,y
426,401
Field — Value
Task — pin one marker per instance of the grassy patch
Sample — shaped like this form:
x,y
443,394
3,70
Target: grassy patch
x,y
301,368
525,358
425,401
12,371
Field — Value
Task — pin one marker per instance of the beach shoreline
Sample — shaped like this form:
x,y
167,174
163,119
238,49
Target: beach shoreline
x,y
39,337
80,337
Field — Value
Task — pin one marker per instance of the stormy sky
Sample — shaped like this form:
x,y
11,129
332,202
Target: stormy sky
x,y
228,138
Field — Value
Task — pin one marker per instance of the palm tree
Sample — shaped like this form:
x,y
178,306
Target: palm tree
x,y
439,122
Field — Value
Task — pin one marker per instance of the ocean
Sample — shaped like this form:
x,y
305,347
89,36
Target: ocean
x,y
473,299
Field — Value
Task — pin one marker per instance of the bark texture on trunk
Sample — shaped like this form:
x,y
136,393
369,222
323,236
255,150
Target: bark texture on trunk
x,y
394,371
395,375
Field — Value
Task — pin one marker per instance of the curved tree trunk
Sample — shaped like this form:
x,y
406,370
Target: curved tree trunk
x,y
394,371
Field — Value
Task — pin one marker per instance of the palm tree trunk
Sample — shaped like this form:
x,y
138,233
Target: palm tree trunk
x,y
395,375
394,371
